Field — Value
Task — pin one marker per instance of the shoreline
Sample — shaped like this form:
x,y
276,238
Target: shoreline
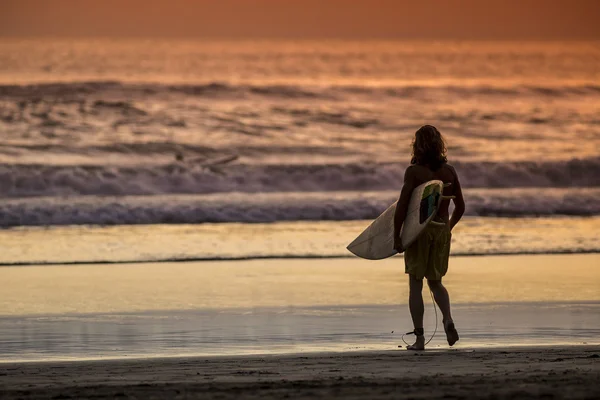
x,y
309,353
279,257
522,372
299,240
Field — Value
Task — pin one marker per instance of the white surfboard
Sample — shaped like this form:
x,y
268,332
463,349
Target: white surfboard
x,y
377,241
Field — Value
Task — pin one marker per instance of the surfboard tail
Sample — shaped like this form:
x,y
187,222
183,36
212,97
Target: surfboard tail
x,y
369,257
352,251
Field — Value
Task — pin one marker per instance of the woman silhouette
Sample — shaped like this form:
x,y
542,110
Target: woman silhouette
x,y
427,257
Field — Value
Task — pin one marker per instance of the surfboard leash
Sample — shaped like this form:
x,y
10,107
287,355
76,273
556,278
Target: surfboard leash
x,y
436,323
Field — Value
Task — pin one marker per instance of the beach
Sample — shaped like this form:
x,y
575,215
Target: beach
x,y
284,306
298,328
179,229
524,372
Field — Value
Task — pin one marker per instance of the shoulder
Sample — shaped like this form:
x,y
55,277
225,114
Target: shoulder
x,y
412,169
415,175
452,175
450,168
411,172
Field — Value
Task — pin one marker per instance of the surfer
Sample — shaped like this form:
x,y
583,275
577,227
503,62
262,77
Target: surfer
x,y
427,257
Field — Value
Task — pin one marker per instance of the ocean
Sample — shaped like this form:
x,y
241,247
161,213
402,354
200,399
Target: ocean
x,y
123,132
111,132
162,151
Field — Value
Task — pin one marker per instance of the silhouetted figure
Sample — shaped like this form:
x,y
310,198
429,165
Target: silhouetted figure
x,y
428,256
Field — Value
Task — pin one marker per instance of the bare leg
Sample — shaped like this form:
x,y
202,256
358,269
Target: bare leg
x,y
417,309
440,294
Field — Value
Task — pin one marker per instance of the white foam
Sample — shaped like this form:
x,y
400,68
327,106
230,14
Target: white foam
x,y
269,207
48,180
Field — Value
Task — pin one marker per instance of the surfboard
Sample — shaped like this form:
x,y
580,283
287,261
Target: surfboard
x,y
377,241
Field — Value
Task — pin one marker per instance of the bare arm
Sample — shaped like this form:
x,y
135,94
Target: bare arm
x,y
459,202
402,205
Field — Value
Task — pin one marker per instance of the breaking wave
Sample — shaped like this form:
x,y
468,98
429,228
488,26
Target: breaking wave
x,y
271,207
191,178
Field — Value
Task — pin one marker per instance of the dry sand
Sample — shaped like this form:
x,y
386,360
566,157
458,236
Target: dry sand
x,y
533,372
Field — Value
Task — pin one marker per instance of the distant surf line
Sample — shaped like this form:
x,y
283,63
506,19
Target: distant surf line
x,y
270,257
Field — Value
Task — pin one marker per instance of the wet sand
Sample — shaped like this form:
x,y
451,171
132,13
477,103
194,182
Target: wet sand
x,y
119,288
166,309
235,308
527,372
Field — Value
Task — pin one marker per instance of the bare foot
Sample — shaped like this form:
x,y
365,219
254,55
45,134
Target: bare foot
x,y
451,332
419,344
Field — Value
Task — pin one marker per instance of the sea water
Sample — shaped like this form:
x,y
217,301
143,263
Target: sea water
x,y
117,131
124,132
140,151
311,135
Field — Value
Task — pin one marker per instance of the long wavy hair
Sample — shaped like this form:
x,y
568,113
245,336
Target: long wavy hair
x,y
429,148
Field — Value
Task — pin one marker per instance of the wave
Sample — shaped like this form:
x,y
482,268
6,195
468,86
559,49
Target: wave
x,y
292,91
223,174
272,207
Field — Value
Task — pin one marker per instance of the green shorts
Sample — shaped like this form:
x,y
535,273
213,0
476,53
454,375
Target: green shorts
x,y
427,257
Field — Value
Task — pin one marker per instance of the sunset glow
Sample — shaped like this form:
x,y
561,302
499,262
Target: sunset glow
x,y
261,198
463,19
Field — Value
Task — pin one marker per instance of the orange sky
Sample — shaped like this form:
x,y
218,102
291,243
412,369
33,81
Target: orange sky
x,y
464,19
